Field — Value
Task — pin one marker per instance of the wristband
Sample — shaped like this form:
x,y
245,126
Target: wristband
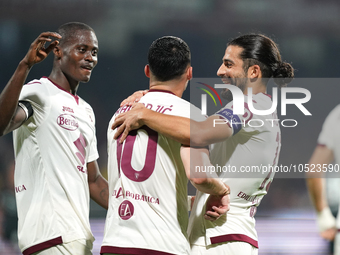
x,y
325,219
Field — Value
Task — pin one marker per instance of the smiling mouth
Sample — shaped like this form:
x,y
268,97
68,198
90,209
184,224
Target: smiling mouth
x,y
87,68
226,81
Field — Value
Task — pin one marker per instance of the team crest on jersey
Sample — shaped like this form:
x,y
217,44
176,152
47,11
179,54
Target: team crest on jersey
x,y
126,210
68,122
90,113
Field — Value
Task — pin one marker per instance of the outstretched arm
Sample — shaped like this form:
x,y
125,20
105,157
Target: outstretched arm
x,y
99,189
316,188
183,130
176,128
13,116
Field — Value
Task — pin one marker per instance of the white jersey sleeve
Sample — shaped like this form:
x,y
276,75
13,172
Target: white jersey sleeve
x,y
38,98
330,134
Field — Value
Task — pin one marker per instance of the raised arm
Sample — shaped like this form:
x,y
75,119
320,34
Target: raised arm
x,y
183,130
176,128
13,116
316,188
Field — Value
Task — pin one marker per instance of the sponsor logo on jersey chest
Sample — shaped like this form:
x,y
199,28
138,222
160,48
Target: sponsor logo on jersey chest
x,y
68,122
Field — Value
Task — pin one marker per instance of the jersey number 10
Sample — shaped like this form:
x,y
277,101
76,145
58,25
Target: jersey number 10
x,y
124,156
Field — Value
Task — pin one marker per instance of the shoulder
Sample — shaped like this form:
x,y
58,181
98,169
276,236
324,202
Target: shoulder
x,y
335,113
333,118
38,82
35,90
261,100
35,84
196,113
186,109
168,103
84,103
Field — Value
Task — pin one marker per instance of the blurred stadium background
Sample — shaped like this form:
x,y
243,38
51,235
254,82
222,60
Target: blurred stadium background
x,y
308,34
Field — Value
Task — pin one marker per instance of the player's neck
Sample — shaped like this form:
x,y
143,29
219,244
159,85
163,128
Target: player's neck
x,y
256,88
61,80
175,86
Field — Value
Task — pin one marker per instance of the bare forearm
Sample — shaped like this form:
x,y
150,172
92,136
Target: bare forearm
x,y
212,186
99,191
203,181
174,127
207,132
316,184
184,130
316,192
9,97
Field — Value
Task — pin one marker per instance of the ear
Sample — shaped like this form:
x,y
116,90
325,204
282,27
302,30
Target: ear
x,y
57,52
147,71
254,72
189,73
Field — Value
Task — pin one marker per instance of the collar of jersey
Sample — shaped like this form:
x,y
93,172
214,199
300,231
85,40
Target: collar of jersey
x,y
61,88
161,90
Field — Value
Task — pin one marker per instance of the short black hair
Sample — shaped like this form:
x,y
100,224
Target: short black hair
x,y
69,29
260,50
168,58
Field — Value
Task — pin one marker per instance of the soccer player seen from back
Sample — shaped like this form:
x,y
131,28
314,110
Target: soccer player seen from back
x,y
148,206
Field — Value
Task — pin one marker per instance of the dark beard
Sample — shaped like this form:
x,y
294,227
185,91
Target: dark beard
x,y
226,93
